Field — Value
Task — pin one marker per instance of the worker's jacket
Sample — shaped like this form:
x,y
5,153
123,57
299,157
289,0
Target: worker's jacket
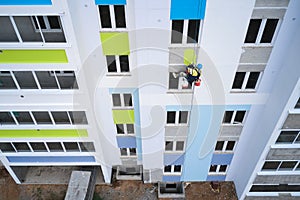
x,y
193,71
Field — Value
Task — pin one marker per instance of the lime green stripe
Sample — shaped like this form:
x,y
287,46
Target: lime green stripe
x,y
43,133
115,43
189,57
33,56
123,116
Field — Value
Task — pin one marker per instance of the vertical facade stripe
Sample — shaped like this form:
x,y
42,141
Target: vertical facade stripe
x,y
188,9
25,2
110,2
137,124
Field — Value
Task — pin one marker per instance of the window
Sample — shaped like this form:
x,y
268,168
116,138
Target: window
x,y
188,28
234,117
117,64
112,16
21,147
225,146
6,147
6,79
38,146
178,83
128,151
176,169
177,117
78,117
71,146
55,147
174,146
23,117
122,100
246,81
87,146
60,117
38,80
288,137
275,188
261,31
6,118
43,29
218,169
42,117
125,129
285,165
296,106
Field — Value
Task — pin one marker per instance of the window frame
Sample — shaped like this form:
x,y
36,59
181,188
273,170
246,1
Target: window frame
x,y
128,152
118,66
233,117
177,114
174,146
173,170
278,169
122,100
218,172
113,18
245,82
125,129
224,146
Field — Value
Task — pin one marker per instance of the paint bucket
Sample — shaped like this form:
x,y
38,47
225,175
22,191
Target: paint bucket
x,y
198,82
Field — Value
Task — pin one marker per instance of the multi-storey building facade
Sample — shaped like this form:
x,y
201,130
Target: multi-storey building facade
x,y
90,83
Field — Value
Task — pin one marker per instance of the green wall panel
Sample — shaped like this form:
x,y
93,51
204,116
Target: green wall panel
x,y
43,133
33,56
123,116
115,43
189,57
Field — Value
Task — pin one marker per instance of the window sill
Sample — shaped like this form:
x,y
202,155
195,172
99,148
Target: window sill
x,y
183,91
118,74
243,91
262,45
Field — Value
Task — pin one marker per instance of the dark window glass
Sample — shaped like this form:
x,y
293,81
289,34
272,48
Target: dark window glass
x,y
25,79
298,139
168,168
179,145
219,145
42,117
298,104
6,147
8,33
130,128
124,63
193,31
120,128
252,80
223,168
60,117
105,16
177,30
239,117
46,79
132,151
23,117
238,80
173,82
27,30
71,146
6,80
287,137
21,147
38,146
230,145
177,168
78,117
6,118
169,146
275,188
171,117
213,168
54,22
253,29
287,165
87,146
41,22
128,100
298,167
183,117
66,79
123,151
271,165
55,146
111,64
116,100
120,16
269,31
227,116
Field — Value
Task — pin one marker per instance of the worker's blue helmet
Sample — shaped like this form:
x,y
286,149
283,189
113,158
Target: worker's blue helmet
x,y
199,66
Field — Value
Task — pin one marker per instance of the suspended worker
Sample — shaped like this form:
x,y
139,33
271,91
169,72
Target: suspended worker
x,y
192,74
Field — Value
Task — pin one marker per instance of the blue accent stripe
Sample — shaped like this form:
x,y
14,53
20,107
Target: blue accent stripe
x,y
126,142
221,159
43,159
173,159
171,178
110,2
216,178
25,2
187,9
178,108
137,124
237,107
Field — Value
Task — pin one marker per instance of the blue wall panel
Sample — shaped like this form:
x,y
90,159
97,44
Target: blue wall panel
x,y
171,178
126,142
221,159
25,2
173,159
216,178
203,132
51,159
187,9
110,2
137,124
